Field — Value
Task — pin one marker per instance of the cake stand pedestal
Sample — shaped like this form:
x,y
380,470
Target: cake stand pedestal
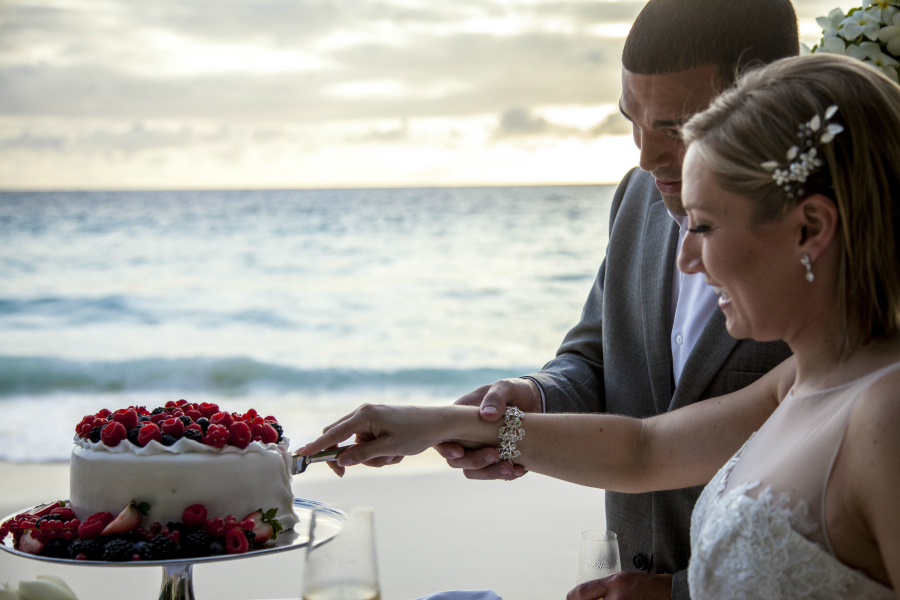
x,y
177,581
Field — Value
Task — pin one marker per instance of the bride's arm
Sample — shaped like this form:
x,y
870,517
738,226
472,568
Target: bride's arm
x,y
678,449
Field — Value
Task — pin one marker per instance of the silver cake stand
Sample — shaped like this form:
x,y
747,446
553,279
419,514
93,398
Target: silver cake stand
x,y
177,581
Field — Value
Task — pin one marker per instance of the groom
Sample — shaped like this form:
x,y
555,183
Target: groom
x,y
652,339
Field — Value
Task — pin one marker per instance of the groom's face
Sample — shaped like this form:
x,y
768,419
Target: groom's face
x,y
657,106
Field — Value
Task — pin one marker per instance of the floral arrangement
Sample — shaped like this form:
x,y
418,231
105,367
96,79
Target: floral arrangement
x,y
870,32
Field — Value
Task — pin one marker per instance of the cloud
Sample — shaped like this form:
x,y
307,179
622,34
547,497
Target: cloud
x,y
614,124
516,122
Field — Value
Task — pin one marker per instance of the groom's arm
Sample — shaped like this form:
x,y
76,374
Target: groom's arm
x,y
627,585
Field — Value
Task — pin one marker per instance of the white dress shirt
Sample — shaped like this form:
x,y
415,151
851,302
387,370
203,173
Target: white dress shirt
x,y
693,303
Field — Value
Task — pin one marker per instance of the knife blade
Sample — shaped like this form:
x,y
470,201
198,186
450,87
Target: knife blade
x,y
299,463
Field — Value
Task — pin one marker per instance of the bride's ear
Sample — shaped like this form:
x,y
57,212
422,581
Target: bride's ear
x,y
818,221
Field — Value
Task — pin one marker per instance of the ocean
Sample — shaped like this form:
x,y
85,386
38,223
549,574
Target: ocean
x,y
302,304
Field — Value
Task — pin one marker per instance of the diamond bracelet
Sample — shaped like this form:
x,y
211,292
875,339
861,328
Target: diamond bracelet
x,y
510,433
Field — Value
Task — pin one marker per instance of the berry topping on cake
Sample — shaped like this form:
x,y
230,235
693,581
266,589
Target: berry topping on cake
x,y
148,433
216,435
173,427
264,525
236,542
86,550
160,548
222,418
240,435
118,550
194,434
194,516
128,520
203,422
128,417
113,433
208,409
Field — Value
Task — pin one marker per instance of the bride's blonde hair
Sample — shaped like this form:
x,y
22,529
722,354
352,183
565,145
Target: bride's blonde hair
x,y
757,121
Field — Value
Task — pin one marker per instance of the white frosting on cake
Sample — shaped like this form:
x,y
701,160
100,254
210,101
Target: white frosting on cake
x,y
227,481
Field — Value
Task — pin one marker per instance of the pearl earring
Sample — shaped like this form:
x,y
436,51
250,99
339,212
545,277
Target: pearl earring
x,y
806,263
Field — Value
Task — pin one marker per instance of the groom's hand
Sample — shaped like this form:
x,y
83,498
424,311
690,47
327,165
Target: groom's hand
x,y
492,400
625,585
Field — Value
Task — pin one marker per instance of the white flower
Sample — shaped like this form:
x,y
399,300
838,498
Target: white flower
x,y
870,52
862,22
46,587
890,35
831,24
834,45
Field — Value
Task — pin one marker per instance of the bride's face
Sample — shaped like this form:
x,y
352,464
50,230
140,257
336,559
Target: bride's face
x,y
754,266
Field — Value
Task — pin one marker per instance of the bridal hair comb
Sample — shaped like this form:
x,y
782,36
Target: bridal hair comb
x,y
802,159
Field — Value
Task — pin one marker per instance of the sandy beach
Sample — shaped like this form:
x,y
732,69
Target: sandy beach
x,y
435,530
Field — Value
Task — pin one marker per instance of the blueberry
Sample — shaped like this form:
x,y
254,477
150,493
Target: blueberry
x,y
144,419
157,411
168,440
203,422
216,548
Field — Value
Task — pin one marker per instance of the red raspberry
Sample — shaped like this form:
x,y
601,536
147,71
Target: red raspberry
x,y
170,404
208,409
236,542
173,427
156,528
194,516
87,420
148,433
181,402
104,517
70,535
177,412
67,513
113,434
194,414
142,410
90,529
256,432
159,417
240,435
247,524
103,413
216,436
4,531
195,427
86,430
128,417
222,418
271,418
269,435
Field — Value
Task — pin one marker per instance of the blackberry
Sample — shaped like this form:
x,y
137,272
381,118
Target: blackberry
x,y
92,549
118,550
277,427
95,434
158,411
197,543
56,549
168,440
250,536
160,548
193,434
50,518
203,422
109,417
132,436
185,419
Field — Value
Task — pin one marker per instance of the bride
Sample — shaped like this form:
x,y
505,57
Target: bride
x,y
792,187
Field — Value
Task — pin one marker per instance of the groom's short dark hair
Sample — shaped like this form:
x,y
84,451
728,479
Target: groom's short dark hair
x,y
677,35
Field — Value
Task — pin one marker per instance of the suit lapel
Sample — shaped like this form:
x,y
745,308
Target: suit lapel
x,y
706,359
657,262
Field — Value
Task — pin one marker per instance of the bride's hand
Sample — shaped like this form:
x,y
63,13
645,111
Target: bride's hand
x,y
390,431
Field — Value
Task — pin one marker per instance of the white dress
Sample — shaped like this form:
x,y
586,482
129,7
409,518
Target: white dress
x,y
757,531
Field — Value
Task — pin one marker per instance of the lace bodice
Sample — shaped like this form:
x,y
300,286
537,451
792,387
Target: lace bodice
x,y
751,539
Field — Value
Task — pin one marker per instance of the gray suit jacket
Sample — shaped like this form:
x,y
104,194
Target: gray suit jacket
x,y
618,360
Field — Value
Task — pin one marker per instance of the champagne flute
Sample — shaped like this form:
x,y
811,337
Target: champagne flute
x,y
598,555
342,567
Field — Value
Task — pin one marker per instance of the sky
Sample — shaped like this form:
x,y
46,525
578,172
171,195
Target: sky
x,y
259,94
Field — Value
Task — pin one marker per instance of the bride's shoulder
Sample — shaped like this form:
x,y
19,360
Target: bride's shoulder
x,y
872,431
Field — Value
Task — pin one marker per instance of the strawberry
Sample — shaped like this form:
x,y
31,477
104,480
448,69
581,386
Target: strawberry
x,y
148,433
240,435
194,516
128,417
43,510
236,542
265,527
128,520
113,433
29,544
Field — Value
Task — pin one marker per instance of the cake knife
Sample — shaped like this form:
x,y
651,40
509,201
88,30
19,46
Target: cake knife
x,y
299,463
